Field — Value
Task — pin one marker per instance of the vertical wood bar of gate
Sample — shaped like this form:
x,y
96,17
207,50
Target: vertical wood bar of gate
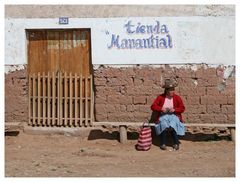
x,y
44,99
81,100
30,99
48,99
86,101
91,100
70,99
75,100
65,99
60,99
34,99
38,99
53,98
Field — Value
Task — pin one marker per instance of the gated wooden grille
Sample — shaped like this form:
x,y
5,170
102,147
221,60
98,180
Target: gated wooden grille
x,y
60,99
60,77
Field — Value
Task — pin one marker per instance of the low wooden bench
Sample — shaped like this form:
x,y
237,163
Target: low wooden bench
x,y
123,127
9,126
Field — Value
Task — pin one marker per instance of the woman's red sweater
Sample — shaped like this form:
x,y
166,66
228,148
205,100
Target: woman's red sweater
x,y
177,105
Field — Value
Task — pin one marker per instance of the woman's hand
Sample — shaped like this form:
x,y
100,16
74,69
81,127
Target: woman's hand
x,y
172,110
168,110
165,110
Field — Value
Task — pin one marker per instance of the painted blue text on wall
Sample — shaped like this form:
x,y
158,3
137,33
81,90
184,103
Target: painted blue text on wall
x,y
158,37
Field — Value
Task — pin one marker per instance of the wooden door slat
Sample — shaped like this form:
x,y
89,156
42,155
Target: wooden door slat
x,y
70,99
60,99
65,99
30,99
91,100
53,98
86,101
44,98
81,100
38,99
48,99
75,100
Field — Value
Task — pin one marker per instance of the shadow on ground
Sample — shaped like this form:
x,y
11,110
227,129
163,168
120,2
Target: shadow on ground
x,y
11,133
133,135
99,134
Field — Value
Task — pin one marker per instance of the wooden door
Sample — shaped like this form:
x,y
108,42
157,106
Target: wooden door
x,y
60,77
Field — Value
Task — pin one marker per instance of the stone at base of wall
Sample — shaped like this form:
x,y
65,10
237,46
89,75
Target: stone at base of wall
x,y
93,133
81,132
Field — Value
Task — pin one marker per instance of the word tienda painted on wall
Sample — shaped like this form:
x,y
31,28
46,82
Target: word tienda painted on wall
x,y
156,36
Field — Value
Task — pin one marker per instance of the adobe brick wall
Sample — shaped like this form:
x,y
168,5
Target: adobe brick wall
x,y
126,93
16,96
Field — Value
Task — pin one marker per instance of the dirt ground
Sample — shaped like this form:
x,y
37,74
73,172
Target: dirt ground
x,y
101,155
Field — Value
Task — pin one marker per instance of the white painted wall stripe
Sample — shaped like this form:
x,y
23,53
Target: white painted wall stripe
x,y
195,39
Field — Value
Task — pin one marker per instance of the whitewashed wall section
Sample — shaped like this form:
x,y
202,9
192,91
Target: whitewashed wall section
x,y
177,40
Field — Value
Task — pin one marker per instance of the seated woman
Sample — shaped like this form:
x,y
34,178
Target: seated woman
x,y
169,107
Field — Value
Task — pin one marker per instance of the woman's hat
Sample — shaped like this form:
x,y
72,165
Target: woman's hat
x,y
169,83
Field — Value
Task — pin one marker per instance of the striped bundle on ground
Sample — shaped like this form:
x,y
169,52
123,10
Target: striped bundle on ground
x,y
144,139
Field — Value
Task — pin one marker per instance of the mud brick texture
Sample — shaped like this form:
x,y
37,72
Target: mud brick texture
x,y
125,94
16,96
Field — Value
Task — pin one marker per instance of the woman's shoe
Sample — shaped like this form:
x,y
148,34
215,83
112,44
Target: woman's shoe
x,y
175,147
163,147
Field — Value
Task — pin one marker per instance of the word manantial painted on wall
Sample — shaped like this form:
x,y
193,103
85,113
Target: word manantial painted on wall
x,y
155,36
